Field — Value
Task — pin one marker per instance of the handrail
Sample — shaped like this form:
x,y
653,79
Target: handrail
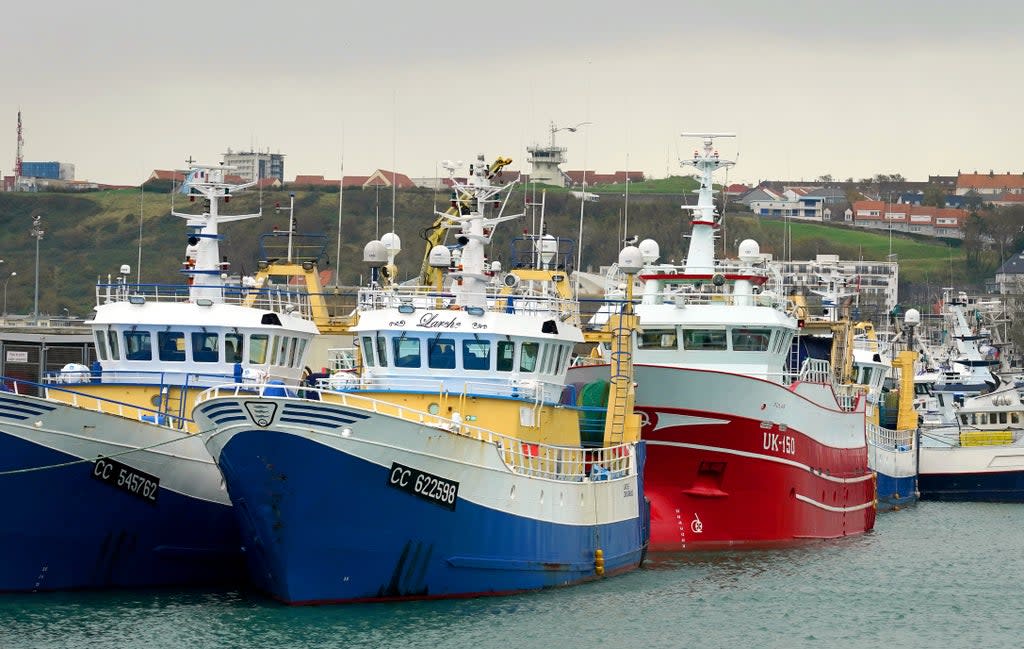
x,y
103,405
901,441
424,297
560,463
525,389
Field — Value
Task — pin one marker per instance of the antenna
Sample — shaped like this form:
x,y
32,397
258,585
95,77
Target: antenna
x,y
142,208
394,152
341,202
17,155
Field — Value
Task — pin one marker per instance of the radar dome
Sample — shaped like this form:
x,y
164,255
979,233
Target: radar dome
x,y
375,254
650,250
440,257
749,250
391,243
631,260
912,317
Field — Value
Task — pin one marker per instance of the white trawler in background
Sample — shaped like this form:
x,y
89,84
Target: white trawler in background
x,y
105,480
749,441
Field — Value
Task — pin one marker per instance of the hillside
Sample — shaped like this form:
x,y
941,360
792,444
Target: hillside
x,y
93,234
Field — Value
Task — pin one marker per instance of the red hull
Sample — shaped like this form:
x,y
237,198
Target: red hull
x,y
736,460
711,487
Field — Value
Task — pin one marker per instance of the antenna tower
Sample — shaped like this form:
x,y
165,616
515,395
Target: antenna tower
x,y
17,157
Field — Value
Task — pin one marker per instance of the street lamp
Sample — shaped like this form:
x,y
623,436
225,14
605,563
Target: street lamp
x,y
14,273
37,234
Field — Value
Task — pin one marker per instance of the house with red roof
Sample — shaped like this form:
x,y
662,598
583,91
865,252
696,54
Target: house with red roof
x,y
919,219
576,177
990,184
386,178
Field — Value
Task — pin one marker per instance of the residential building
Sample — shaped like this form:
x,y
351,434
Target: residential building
x,y
874,282
900,217
254,165
990,184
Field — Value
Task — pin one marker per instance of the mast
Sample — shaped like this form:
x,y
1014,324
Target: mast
x,y
18,154
475,230
700,257
203,264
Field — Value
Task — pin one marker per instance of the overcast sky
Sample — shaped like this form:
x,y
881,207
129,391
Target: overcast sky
x,y
810,87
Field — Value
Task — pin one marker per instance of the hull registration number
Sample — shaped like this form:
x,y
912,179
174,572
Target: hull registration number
x,y
438,490
138,483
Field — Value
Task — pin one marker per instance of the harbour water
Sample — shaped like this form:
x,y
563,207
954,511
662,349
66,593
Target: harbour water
x,y
935,575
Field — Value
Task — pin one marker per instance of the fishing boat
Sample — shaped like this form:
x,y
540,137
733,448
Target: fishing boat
x,y
980,456
889,372
451,463
958,356
105,479
750,439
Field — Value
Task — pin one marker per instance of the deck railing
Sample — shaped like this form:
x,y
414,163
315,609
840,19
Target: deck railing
x,y
559,463
901,441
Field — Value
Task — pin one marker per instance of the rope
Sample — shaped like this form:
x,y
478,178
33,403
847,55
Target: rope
x,y
101,457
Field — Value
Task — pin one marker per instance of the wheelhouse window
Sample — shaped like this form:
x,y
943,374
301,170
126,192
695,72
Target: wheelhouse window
x,y
101,345
233,352
506,355
137,346
407,352
476,354
171,345
258,348
293,352
382,351
657,339
751,339
368,357
441,353
528,357
704,339
205,347
114,351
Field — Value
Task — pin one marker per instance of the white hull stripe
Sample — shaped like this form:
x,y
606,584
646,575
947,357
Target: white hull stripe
x,y
761,456
830,508
668,420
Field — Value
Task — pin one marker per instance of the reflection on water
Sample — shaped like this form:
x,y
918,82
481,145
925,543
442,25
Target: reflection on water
x,y
939,574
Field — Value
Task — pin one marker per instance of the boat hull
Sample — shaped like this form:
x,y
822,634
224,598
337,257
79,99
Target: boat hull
x,y
68,528
895,470
734,460
972,474
325,516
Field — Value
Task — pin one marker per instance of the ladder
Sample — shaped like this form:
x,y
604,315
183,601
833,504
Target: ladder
x,y
620,382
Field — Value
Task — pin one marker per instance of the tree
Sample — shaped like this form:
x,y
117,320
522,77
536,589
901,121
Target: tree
x,y
1004,225
973,231
934,196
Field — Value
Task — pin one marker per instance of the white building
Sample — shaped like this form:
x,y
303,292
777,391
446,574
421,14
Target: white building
x,y
254,165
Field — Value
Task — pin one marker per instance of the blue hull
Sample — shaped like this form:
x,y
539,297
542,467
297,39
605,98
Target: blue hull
x,y
1001,487
893,493
64,529
323,526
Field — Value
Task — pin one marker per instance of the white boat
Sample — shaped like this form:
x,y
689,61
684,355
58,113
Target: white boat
x,y
105,480
980,457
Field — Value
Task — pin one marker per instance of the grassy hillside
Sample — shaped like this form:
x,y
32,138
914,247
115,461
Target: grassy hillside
x,y
921,259
89,235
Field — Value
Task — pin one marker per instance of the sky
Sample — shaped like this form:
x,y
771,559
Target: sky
x,y
849,89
